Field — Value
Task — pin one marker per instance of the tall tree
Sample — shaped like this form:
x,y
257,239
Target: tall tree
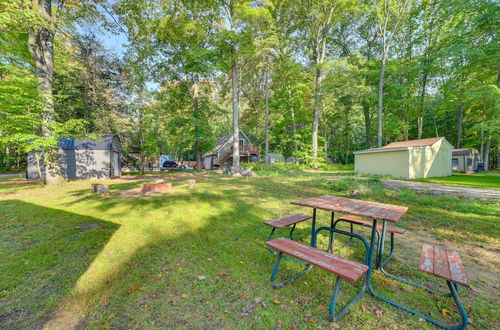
x,y
389,15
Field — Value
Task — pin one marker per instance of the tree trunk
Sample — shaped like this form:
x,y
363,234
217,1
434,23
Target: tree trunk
x,y
236,114
435,126
317,104
197,128
41,48
487,145
380,100
459,125
368,130
267,114
421,109
294,124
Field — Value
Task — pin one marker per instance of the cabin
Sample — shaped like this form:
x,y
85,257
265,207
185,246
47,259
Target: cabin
x,y
83,159
222,155
465,160
414,159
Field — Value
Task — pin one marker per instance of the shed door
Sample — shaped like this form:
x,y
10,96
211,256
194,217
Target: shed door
x,y
116,164
208,162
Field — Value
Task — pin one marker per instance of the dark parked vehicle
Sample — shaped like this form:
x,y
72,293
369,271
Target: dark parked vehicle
x,y
170,164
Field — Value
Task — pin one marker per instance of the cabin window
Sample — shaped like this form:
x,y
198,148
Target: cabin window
x,y
242,142
454,162
469,162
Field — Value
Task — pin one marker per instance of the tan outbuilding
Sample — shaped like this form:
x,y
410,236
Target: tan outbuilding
x,y
407,159
465,159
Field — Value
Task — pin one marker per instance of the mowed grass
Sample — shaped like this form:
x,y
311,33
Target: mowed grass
x,y
195,258
485,180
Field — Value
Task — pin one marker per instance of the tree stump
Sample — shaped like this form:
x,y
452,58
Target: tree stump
x,y
156,187
102,189
191,183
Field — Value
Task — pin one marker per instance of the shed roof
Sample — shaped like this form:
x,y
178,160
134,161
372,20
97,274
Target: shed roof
x,y
462,152
88,144
275,155
402,145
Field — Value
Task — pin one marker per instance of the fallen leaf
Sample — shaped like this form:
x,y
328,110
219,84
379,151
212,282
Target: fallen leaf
x,y
222,273
276,301
445,312
322,307
379,313
201,277
184,295
209,259
335,325
134,288
298,300
279,324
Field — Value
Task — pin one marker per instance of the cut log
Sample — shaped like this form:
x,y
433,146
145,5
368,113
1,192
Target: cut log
x,y
156,187
100,188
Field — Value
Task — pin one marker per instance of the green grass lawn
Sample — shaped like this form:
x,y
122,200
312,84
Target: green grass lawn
x,y
486,180
195,258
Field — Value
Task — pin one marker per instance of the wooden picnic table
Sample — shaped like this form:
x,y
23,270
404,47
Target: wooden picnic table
x,y
436,261
371,210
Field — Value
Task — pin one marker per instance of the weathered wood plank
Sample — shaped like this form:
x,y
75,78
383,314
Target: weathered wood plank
x,y
342,267
427,259
360,208
441,267
457,270
283,222
443,263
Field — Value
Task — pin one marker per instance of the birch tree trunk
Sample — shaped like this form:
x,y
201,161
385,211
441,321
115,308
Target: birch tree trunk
x,y
317,105
197,128
368,129
236,114
380,99
267,113
420,122
487,147
41,48
459,125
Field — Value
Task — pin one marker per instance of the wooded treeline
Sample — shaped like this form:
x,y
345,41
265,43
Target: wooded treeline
x,y
310,79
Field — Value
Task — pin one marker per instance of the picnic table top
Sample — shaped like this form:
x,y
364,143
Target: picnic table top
x,y
372,210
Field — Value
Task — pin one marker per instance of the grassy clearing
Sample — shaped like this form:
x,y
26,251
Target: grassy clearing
x,y
486,180
195,258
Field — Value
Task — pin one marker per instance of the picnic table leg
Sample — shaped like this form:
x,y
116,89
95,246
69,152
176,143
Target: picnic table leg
x,y
313,228
285,282
381,245
331,235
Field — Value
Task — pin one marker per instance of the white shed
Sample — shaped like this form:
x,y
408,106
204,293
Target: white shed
x,y
407,159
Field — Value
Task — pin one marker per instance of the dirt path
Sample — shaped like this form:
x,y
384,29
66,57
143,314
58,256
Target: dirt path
x,y
439,189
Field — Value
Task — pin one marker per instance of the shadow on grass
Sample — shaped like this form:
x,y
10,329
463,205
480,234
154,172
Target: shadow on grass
x,y
43,252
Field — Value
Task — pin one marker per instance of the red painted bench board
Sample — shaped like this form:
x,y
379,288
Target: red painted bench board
x,y
443,263
283,222
342,267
